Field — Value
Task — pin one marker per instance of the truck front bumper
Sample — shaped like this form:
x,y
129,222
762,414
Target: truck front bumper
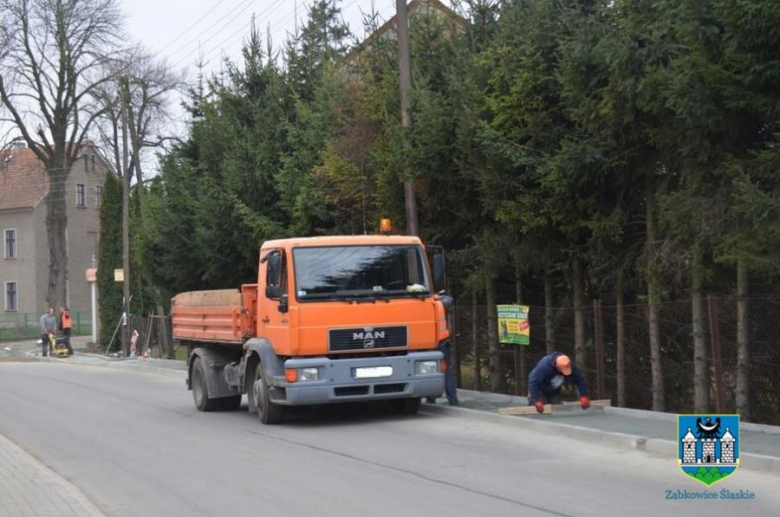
x,y
338,381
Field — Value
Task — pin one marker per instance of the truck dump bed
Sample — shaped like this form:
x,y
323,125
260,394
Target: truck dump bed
x,y
219,316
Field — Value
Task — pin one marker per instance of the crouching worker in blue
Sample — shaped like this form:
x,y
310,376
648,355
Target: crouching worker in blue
x,y
547,377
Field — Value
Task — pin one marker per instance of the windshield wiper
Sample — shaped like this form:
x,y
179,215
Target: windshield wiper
x,y
417,294
402,294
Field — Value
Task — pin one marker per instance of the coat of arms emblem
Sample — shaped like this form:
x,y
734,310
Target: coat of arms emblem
x,y
708,446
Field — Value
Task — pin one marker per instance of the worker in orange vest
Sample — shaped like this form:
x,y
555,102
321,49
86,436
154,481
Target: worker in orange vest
x,y
66,324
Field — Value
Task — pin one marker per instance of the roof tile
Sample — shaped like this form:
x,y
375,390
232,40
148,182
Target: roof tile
x,y
23,180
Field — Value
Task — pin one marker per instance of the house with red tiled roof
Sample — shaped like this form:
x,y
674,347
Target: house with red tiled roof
x,y
24,249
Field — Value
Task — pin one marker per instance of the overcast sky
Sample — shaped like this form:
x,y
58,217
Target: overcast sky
x,y
181,30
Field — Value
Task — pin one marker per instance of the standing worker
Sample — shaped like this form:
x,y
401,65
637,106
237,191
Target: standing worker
x,y
445,347
48,328
547,377
66,324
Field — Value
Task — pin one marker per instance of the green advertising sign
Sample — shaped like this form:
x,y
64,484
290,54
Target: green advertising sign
x,y
513,326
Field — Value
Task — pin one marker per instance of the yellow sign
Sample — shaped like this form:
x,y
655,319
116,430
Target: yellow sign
x,y
119,275
513,325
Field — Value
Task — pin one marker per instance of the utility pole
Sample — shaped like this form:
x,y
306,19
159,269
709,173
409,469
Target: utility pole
x,y
125,94
405,84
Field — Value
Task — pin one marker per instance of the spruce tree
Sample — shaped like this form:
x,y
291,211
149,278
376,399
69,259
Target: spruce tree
x,y
109,259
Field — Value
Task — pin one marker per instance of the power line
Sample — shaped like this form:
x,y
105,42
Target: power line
x,y
236,36
275,30
194,51
241,7
188,29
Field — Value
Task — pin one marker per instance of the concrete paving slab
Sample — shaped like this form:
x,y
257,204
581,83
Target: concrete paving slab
x,y
29,488
643,430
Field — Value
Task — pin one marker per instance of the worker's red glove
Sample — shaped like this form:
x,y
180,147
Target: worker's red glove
x,y
584,402
539,406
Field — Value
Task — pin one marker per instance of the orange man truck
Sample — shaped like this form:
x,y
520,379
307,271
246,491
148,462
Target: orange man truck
x,y
330,319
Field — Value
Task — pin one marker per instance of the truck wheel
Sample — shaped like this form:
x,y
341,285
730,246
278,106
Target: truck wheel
x,y
406,406
199,390
268,412
230,403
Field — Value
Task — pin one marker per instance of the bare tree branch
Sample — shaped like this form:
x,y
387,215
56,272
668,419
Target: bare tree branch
x,y
52,57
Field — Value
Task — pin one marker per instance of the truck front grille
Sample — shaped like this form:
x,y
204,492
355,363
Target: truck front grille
x,y
368,338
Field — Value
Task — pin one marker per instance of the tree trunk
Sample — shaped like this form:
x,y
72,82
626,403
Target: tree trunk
x,y
166,346
656,368
126,176
549,322
56,233
621,340
700,372
579,314
475,342
496,371
405,85
743,352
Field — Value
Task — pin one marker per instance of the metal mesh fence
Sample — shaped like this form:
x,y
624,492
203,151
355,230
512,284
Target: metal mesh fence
x,y
154,336
18,326
677,358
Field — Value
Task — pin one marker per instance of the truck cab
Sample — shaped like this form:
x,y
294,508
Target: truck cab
x,y
330,319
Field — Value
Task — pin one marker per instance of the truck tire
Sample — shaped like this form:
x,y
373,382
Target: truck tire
x,y
230,403
268,412
200,392
406,406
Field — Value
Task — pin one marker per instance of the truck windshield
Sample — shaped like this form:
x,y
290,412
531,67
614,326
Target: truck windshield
x,y
346,272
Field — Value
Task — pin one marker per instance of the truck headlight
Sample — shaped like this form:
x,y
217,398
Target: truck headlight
x,y
308,374
427,367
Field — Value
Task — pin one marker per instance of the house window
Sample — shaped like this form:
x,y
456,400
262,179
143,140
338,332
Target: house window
x,y
98,196
11,245
93,163
86,163
11,297
81,195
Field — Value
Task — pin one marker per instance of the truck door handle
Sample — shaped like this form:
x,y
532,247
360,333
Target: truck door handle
x,y
266,319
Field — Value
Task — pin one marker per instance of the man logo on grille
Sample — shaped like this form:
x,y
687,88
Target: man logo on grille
x,y
368,337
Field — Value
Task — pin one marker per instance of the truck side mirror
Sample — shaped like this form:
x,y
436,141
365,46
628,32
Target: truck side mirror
x,y
439,271
284,304
272,292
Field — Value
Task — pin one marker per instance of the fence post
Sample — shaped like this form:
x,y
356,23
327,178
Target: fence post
x,y
25,325
717,359
475,343
599,336
519,369
78,323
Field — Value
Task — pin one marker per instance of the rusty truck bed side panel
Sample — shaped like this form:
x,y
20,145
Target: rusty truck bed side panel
x,y
211,316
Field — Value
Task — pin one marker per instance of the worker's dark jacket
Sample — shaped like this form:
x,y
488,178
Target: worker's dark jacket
x,y
547,379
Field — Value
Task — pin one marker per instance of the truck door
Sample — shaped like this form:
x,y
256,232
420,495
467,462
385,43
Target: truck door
x,y
274,302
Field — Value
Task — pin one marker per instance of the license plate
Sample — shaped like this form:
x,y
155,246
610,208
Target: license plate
x,y
373,372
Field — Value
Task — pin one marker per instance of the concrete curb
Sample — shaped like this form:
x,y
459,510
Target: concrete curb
x,y
132,364
668,448
672,417
143,368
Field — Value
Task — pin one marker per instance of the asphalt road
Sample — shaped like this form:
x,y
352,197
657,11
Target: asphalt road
x,y
135,445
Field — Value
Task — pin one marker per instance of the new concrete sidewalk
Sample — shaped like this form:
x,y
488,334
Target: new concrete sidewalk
x,y
30,489
635,429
